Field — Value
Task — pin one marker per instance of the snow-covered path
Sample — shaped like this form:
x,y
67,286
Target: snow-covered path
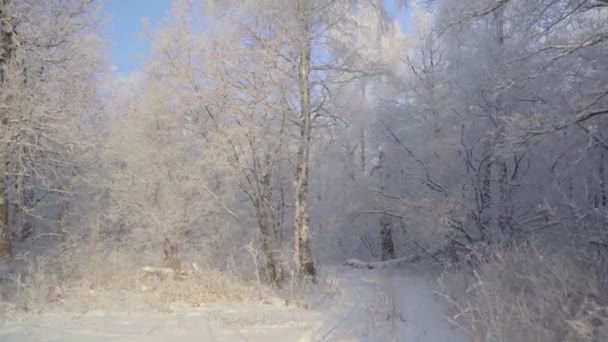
x,y
385,305
376,305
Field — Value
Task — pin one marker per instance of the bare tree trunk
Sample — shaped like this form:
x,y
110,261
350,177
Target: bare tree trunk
x,y
504,217
281,207
363,160
257,186
16,211
171,252
6,55
362,157
387,245
304,262
602,176
170,244
269,227
590,191
485,218
64,216
17,208
386,237
5,237
275,272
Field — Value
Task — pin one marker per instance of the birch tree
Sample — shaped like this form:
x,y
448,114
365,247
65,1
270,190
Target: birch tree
x,y
294,60
329,19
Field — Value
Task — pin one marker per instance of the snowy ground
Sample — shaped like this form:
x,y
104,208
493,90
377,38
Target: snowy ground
x,y
371,305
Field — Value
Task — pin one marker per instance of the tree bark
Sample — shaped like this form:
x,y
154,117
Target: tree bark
x,y
386,237
6,40
6,55
505,218
387,245
485,218
602,176
275,273
269,226
171,252
362,158
304,262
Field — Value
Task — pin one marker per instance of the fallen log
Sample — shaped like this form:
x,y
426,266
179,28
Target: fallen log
x,y
370,265
157,270
162,272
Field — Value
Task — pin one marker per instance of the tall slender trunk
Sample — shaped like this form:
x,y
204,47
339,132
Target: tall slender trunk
x,y
266,223
269,225
505,223
591,191
281,208
363,151
6,55
304,262
171,252
17,207
485,196
602,176
362,157
502,165
64,215
386,237
5,237
386,221
505,216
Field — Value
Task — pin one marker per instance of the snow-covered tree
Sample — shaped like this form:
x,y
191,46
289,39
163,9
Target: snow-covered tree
x,y
49,64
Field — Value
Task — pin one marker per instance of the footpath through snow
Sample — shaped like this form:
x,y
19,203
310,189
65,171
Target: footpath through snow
x,y
371,305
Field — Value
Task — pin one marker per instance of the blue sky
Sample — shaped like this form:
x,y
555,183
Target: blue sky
x,y
125,26
124,29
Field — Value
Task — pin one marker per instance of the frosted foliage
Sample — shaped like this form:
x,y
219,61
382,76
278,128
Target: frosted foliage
x,y
263,142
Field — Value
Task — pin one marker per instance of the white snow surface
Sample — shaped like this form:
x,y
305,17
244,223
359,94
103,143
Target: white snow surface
x,y
370,305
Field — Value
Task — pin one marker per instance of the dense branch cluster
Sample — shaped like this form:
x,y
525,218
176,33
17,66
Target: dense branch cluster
x,y
310,131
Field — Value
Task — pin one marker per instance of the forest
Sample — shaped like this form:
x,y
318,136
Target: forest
x,y
267,145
